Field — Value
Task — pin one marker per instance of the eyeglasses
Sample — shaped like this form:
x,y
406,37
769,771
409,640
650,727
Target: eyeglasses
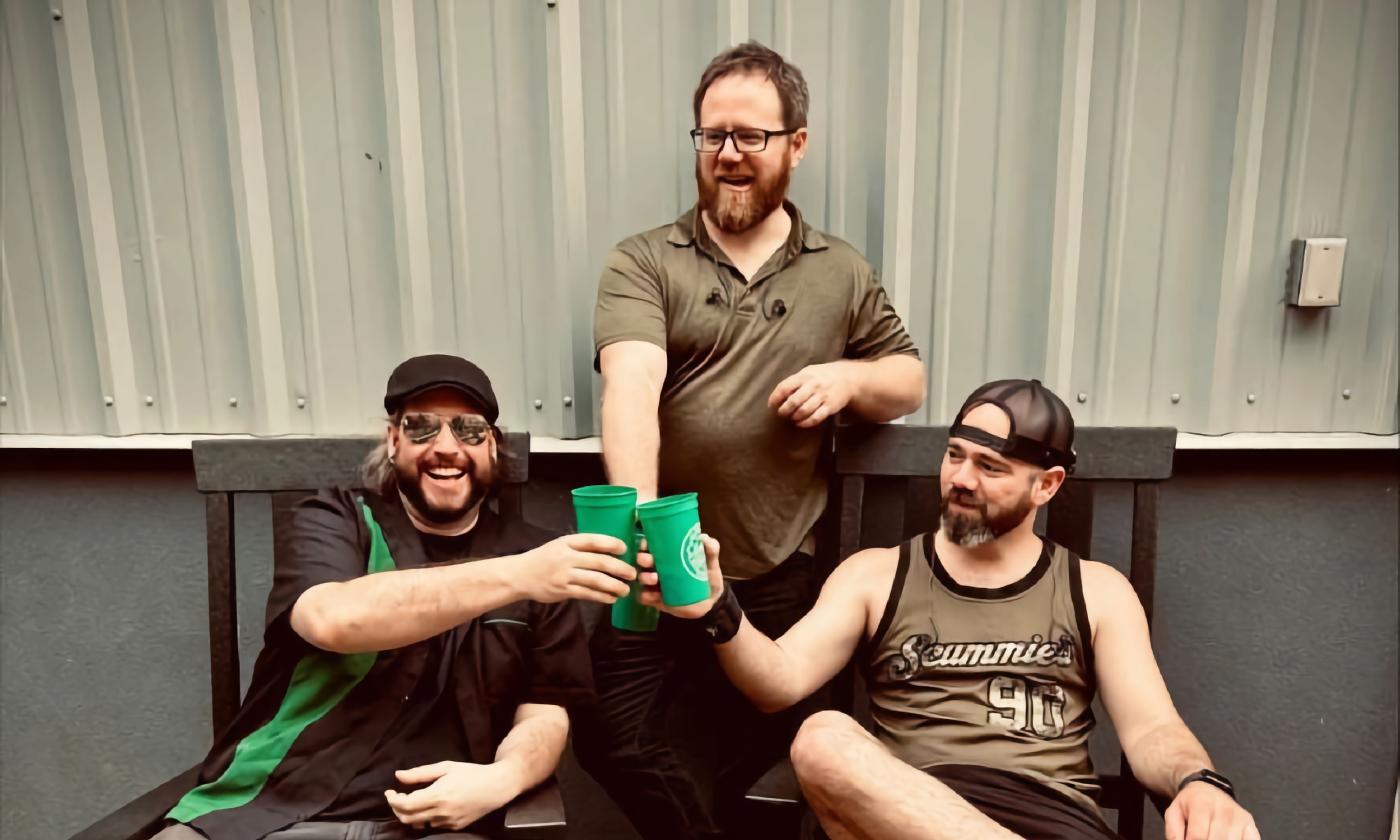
x,y
746,140
422,426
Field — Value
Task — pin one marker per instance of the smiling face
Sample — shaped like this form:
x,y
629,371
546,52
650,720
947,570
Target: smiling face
x,y
737,190
984,494
442,479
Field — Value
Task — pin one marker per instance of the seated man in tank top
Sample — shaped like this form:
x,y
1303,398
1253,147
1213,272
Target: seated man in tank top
x,y
982,645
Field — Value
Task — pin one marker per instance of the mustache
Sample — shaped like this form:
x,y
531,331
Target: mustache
x,y
965,497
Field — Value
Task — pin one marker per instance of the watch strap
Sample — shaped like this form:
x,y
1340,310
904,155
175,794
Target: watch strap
x,y
722,622
1211,778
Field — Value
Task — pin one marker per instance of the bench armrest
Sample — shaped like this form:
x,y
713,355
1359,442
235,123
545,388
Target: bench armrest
x,y
141,817
537,814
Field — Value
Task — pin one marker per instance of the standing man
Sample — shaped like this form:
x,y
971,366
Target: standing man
x,y
726,341
982,646
419,651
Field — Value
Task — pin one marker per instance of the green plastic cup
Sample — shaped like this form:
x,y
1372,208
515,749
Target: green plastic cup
x,y
612,510
672,527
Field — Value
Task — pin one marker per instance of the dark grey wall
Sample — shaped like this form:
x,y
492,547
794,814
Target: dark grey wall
x,y
1277,629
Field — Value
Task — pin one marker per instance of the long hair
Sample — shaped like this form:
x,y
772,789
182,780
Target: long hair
x,y
377,470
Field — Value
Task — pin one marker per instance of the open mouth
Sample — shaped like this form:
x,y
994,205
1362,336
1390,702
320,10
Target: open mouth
x,y
445,473
736,182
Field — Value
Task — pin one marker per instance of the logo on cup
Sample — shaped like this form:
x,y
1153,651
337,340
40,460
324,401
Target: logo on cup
x,y
693,553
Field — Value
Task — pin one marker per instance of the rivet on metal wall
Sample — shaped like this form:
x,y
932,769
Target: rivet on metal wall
x,y
1346,393
57,13
568,401
301,402
107,400
150,400
4,400
1083,397
1250,398
1176,398
539,404
233,401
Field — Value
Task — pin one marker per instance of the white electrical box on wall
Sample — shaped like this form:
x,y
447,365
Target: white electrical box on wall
x,y
1315,275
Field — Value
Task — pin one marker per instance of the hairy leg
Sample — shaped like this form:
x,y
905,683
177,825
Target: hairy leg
x,y
862,792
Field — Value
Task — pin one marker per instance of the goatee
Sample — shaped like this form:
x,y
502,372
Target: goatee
x,y
411,489
737,212
980,526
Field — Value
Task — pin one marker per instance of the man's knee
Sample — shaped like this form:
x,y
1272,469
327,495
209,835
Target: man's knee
x,y
820,743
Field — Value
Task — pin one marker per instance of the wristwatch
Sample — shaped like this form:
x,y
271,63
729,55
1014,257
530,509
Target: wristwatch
x,y
1211,778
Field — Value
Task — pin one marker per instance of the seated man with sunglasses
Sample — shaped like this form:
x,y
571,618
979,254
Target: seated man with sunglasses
x,y
419,650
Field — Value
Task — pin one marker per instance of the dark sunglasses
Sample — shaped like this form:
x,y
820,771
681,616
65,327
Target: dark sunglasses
x,y
422,426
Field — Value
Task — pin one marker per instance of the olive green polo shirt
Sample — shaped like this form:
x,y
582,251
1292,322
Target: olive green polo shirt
x,y
728,344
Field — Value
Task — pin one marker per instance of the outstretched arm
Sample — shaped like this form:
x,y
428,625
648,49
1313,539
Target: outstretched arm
x,y
776,673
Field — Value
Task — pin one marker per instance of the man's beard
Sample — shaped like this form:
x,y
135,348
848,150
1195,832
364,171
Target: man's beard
x,y
737,212
974,528
410,485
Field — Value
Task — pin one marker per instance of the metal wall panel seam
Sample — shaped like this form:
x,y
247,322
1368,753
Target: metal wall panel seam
x,y
949,119
221,345
321,409
1348,327
407,174
1390,267
1174,174
460,245
782,27
252,211
837,162
1244,204
508,194
72,345
97,214
615,75
1295,171
734,24
570,200
19,402
1067,239
1118,218
901,150
150,260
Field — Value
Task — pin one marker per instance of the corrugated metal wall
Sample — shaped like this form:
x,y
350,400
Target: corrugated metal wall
x,y
237,215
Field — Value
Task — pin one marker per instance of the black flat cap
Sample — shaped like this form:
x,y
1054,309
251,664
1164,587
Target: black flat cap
x,y
423,373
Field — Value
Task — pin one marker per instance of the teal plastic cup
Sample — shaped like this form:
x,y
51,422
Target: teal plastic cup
x,y
672,528
612,510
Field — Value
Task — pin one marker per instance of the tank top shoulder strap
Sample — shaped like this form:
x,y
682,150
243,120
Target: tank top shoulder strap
x,y
1073,571
910,560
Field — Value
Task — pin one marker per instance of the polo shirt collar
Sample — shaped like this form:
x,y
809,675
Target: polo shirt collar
x,y
688,229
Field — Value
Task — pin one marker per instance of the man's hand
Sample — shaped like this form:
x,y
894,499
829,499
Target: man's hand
x,y
814,393
651,582
1203,812
458,794
583,566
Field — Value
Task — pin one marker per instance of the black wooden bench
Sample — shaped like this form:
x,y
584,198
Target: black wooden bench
x,y
887,491
288,470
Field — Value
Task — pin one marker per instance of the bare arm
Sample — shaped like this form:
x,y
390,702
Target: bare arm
x,y
530,751
1160,748
877,389
775,674
392,609
633,373
459,793
886,388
